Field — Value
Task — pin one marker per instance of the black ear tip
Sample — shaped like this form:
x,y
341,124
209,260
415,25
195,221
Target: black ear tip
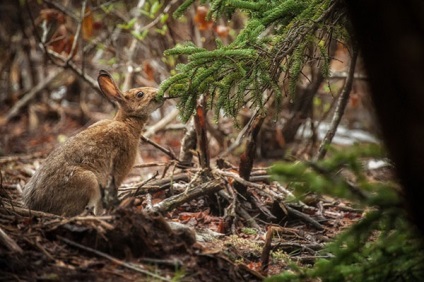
x,y
103,72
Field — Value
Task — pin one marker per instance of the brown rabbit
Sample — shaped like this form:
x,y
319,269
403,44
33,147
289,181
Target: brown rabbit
x,y
74,175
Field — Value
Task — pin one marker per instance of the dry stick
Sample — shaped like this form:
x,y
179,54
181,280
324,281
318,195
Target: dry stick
x,y
312,248
303,217
242,212
291,211
131,49
312,141
150,165
99,221
239,179
37,245
138,28
61,8
311,259
30,95
161,124
175,127
5,240
66,61
42,249
355,190
267,250
286,192
77,33
168,262
28,212
165,12
240,137
144,183
177,200
188,144
66,64
340,108
158,185
246,165
230,211
283,190
157,146
119,262
248,156
262,208
302,108
193,180
250,220
71,65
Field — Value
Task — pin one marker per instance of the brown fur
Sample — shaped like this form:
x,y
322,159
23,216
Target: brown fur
x,y
73,175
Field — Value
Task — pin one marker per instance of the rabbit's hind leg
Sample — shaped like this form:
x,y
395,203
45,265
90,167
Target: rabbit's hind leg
x,y
82,194
93,193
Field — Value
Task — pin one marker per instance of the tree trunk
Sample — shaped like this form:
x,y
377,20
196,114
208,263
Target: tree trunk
x,y
391,37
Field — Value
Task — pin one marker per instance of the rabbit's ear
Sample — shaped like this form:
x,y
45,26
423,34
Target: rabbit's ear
x,y
109,87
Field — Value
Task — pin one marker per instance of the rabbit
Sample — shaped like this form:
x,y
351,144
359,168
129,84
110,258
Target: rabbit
x,y
75,175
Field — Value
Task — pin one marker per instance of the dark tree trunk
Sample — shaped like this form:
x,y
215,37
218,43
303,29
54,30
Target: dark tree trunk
x,y
391,37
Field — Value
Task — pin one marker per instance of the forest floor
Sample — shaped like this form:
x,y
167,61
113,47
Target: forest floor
x,y
132,244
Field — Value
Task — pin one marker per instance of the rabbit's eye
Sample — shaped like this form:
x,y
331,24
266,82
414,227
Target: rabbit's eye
x,y
140,94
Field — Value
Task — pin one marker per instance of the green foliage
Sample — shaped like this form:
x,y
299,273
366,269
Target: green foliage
x,y
271,49
380,247
182,8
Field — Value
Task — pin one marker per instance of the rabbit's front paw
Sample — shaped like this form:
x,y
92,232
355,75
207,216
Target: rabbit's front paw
x,y
87,211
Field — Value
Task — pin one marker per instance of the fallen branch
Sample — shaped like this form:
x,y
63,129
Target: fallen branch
x,y
239,179
290,210
35,244
157,146
119,262
251,222
303,217
28,212
177,200
9,243
155,186
143,165
249,219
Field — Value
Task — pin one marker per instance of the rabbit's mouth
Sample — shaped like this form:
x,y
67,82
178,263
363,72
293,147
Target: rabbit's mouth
x,y
159,99
165,96
169,97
